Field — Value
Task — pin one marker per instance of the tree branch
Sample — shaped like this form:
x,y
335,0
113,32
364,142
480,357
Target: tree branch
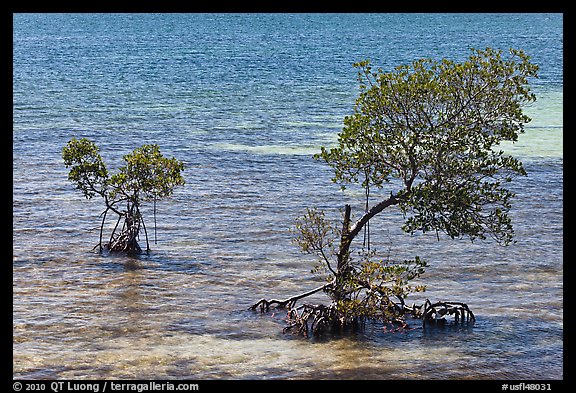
x,y
357,227
265,304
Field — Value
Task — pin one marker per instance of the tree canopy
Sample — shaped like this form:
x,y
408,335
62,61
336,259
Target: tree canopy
x,y
426,135
435,127
146,175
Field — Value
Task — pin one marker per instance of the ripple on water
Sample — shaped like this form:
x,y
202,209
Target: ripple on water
x,y
244,101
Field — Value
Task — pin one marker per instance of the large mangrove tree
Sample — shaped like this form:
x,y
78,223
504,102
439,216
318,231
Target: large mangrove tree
x,y
424,140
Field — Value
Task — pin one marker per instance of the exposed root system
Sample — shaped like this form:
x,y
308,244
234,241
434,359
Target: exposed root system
x,y
314,319
434,312
264,305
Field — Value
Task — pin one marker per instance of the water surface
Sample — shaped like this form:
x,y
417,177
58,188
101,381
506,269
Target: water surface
x,y
245,100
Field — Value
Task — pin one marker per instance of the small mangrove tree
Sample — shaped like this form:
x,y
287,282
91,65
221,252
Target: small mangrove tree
x,y
146,176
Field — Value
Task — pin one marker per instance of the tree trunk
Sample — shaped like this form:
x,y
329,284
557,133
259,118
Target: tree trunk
x,y
349,232
345,241
338,291
127,241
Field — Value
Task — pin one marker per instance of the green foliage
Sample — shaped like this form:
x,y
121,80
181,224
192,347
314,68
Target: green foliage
x,y
87,171
314,234
431,130
369,288
146,175
377,289
435,127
